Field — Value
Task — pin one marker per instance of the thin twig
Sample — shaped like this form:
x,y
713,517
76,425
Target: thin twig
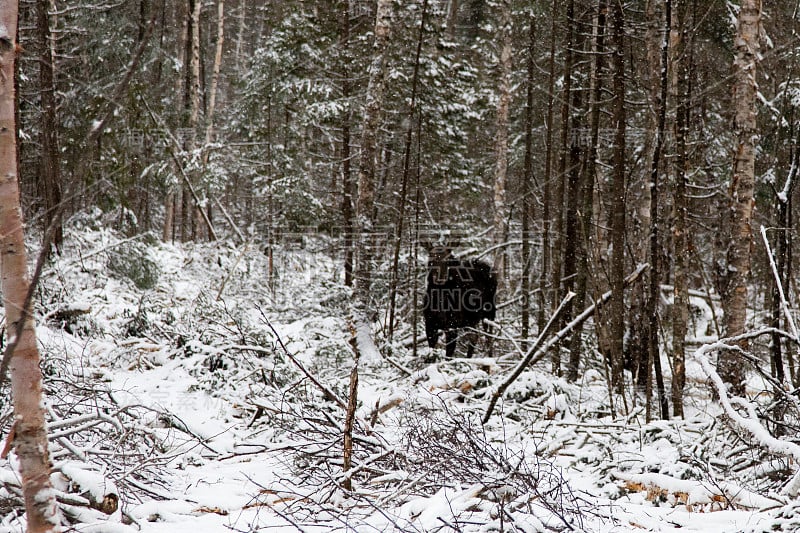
x,y
784,303
329,394
245,249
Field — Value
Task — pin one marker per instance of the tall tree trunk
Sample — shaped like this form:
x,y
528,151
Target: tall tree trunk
x,y
348,214
202,221
414,272
783,258
618,187
563,158
158,68
558,201
548,175
366,188
185,219
271,237
452,18
575,175
527,184
240,34
401,201
501,135
174,223
348,192
194,62
584,241
653,353
731,367
192,107
782,247
369,147
205,222
169,217
195,96
50,167
30,433
680,304
140,194
641,207
212,96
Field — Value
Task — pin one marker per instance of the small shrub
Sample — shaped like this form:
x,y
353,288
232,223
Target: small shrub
x,y
131,260
138,323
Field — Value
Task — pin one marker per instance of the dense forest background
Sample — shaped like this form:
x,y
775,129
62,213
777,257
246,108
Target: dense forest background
x,y
571,141
235,204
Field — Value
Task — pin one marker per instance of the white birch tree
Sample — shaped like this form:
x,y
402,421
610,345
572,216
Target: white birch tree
x,y
28,433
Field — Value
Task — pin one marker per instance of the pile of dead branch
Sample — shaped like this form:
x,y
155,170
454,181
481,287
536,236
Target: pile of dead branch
x,y
437,452
106,456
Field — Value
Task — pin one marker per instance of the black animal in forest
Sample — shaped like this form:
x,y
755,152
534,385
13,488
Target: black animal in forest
x,y
459,294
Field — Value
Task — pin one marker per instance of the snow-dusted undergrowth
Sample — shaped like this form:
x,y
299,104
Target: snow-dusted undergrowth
x,y
178,383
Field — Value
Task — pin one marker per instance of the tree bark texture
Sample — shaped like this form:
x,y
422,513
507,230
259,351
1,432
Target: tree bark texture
x,y
30,433
617,304
680,304
50,168
348,192
501,135
369,144
212,96
192,108
589,169
571,248
640,223
653,296
527,184
194,62
547,212
746,41
558,200
401,201
783,247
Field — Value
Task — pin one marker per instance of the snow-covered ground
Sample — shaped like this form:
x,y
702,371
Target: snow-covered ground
x,y
208,399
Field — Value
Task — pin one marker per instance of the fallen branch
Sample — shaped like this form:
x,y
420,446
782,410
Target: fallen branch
x,y
329,394
83,257
539,350
230,221
749,423
528,357
694,494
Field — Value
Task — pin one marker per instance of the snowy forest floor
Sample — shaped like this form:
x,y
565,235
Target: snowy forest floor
x,y
170,382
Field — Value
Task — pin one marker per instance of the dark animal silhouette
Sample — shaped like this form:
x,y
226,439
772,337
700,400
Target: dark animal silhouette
x,y
459,294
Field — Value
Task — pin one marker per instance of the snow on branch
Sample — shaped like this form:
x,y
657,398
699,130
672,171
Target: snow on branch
x,y
748,422
366,345
784,303
539,350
